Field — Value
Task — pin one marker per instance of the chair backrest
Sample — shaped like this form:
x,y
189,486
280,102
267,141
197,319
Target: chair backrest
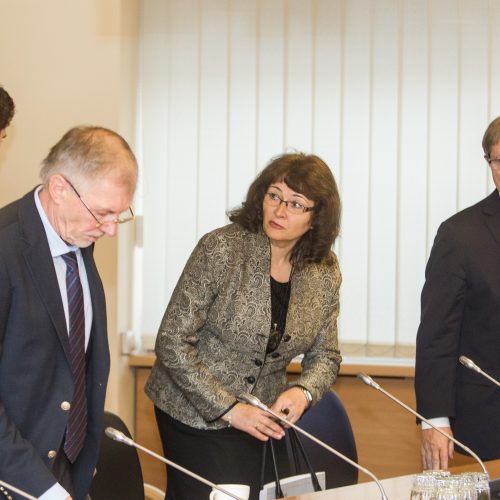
x,y
119,472
328,421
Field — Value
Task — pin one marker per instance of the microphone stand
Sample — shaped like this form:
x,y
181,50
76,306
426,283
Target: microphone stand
x,y
121,438
371,383
254,401
468,363
9,487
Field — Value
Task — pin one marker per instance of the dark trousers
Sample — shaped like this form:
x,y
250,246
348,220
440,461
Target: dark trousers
x,y
225,456
62,471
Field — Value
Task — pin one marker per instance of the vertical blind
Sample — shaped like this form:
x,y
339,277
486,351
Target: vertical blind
x,y
394,95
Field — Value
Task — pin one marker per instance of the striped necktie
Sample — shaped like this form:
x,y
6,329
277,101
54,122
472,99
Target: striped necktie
x,y
77,422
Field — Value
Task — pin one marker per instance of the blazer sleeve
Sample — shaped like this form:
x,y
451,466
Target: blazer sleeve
x,y
442,308
321,362
176,343
20,463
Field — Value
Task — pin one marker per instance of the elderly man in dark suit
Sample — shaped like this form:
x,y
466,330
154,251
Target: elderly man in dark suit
x,y
54,356
461,316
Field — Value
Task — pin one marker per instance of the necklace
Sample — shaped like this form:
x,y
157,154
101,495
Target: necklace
x,y
280,297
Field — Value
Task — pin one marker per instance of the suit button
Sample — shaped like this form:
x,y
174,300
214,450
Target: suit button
x,y
52,454
287,338
275,355
65,406
258,362
250,379
6,493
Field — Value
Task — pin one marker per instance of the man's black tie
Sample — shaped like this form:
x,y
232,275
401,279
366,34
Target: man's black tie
x,y
77,423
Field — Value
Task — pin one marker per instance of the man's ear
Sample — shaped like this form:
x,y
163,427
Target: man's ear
x,y
58,188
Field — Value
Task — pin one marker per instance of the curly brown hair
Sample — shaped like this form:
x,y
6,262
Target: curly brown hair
x,y
310,176
7,108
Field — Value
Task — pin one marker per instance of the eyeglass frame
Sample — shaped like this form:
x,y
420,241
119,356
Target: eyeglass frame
x,y
100,222
489,160
286,202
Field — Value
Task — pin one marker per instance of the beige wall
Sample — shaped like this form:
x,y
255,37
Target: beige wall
x,y
68,63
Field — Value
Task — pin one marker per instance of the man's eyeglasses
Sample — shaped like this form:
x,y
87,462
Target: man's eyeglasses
x,y
126,216
293,207
493,162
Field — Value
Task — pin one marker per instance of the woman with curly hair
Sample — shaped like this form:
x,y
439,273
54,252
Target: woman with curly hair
x,y
253,295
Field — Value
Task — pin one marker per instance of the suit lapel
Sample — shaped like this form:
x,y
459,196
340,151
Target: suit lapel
x,y
491,210
98,350
41,267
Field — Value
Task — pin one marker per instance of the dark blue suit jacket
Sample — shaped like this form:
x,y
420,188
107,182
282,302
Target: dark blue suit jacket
x,y
461,316
35,372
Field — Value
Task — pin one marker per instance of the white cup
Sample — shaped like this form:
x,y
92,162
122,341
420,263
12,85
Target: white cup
x,y
240,490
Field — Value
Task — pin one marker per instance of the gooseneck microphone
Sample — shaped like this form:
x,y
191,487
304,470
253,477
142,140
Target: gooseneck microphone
x,y
121,438
254,401
370,382
468,363
9,488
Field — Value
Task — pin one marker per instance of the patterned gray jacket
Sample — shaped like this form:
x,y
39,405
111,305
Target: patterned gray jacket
x,y
211,345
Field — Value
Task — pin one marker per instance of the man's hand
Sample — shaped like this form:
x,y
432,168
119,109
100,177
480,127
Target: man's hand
x,y
436,449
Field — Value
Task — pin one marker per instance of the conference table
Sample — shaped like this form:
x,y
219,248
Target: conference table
x,y
397,488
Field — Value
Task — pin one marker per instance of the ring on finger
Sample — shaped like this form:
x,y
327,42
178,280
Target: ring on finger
x,y
257,426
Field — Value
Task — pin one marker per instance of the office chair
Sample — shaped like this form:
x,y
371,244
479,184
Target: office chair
x,y
329,422
119,474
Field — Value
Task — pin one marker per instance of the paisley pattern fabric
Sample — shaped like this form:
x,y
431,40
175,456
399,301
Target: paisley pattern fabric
x,y
211,345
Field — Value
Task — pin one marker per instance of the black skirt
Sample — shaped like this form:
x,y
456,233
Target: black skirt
x,y
223,456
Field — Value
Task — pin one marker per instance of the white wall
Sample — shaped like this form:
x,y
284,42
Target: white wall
x,y
394,94
67,63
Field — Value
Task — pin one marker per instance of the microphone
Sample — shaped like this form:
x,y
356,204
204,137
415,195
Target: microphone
x,y
370,382
9,487
121,438
468,363
254,401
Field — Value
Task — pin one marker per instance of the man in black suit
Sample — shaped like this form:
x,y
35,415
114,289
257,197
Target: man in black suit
x,y
54,356
461,316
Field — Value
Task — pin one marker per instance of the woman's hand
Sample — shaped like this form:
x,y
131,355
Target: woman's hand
x,y
253,421
291,404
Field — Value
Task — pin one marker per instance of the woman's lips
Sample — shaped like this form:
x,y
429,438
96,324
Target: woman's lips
x,y
275,225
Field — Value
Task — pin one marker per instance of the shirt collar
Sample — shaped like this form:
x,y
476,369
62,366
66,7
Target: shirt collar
x,y
57,245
